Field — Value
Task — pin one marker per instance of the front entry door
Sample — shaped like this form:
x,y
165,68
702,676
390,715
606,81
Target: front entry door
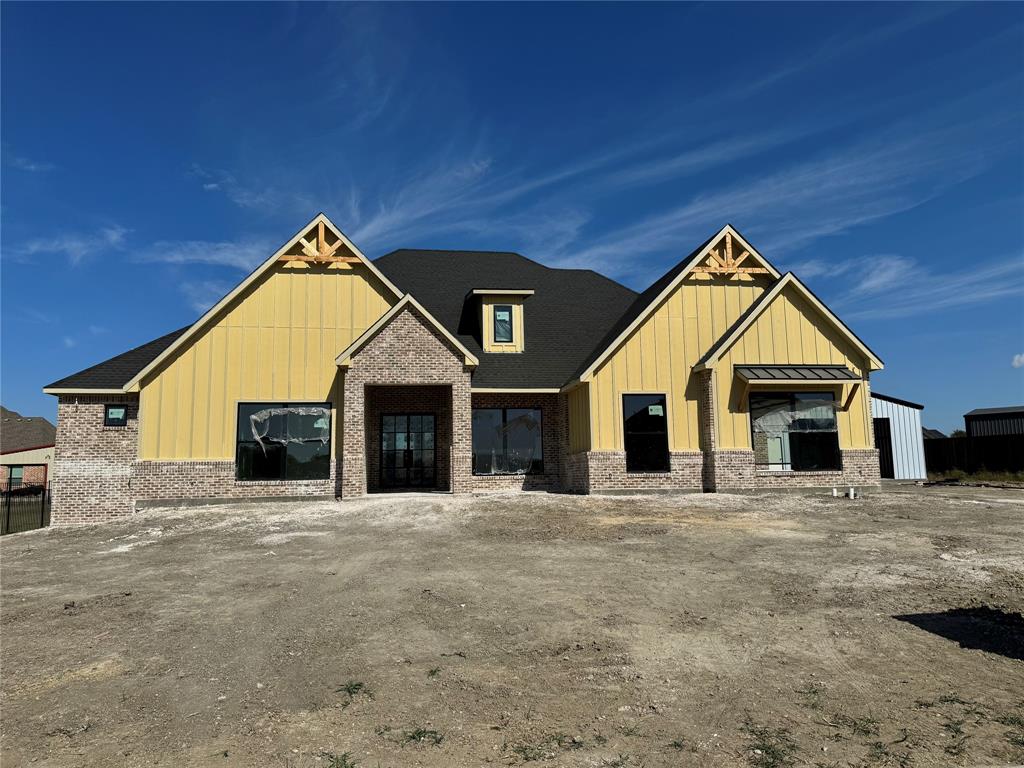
x,y
407,450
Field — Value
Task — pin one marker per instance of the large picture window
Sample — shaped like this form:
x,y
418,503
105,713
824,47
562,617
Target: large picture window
x,y
281,441
645,427
507,441
794,431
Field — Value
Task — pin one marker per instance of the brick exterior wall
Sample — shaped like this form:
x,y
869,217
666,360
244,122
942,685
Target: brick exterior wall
x,y
606,471
408,351
554,440
184,480
34,474
92,463
435,399
576,473
735,470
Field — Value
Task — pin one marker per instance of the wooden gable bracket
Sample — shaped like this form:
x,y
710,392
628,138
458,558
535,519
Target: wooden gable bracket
x,y
849,397
726,265
320,252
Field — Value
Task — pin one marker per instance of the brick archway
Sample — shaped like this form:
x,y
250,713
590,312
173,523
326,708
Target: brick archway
x,y
408,352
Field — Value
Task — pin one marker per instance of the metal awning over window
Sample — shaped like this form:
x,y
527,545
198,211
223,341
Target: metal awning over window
x,y
791,374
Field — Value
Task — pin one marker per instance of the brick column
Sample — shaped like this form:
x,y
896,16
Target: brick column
x,y
706,410
92,464
408,351
353,439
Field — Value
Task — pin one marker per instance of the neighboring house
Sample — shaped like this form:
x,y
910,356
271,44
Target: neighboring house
x,y
990,422
932,434
326,374
899,437
26,449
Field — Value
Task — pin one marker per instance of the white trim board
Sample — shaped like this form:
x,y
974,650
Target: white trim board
x,y
515,390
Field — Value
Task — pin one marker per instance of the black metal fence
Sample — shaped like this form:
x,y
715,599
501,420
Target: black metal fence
x,y
24,508
1000,453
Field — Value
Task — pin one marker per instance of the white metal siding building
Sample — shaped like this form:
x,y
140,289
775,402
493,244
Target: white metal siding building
x,y
898,437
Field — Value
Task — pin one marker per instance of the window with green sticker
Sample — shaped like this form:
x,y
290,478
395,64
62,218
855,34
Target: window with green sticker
x,y
503,324
115,416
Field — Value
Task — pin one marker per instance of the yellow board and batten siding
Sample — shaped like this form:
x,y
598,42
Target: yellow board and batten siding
x,y
275,342
579,419
790,331
488,303
659,355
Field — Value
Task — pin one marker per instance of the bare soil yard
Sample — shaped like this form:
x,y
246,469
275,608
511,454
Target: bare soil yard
x,y
712,630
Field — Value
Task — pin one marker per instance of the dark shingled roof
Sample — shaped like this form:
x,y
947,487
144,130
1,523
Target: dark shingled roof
x,y
566,318
931,434
118,371
21,433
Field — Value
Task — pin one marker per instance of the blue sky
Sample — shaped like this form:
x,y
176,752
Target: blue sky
x,y
154,153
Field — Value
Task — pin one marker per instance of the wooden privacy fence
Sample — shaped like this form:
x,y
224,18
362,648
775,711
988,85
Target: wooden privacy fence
x,y
24,508
997,453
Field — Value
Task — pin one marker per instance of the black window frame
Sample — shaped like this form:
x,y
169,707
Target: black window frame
x,y
284,478
536,466
110,422
795,455
634,466
511,324
423,481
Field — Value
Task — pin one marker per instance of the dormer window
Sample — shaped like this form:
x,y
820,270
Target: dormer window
x,y
502,323
502,318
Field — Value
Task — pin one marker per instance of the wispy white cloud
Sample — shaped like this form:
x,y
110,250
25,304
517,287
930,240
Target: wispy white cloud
x,y
35,316
1018,361
703,157
75,246
423,198
245,253
69,342
203,294
796,205
253,195
25,164
883,287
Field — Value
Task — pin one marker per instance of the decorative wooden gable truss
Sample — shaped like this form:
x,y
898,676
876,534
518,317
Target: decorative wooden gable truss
x,y
320,246
715,263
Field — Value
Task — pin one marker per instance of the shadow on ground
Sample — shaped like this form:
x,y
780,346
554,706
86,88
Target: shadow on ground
x,y
983,629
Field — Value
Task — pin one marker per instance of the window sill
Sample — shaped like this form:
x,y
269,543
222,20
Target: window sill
x,y
650,473
508,474
283,482
801,472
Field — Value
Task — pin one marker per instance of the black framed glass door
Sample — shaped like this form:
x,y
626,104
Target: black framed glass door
x,y
407,450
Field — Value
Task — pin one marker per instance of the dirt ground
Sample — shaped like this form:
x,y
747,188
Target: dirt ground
x,y
704,630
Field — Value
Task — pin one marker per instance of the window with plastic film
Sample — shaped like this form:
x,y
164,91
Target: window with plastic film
x,y
282,441
795,431
507,441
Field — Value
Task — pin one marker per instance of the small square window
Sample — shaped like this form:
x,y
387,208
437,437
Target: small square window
x,y
115,416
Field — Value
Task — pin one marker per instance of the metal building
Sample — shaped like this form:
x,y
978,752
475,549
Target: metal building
x,y
898,437
988,422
